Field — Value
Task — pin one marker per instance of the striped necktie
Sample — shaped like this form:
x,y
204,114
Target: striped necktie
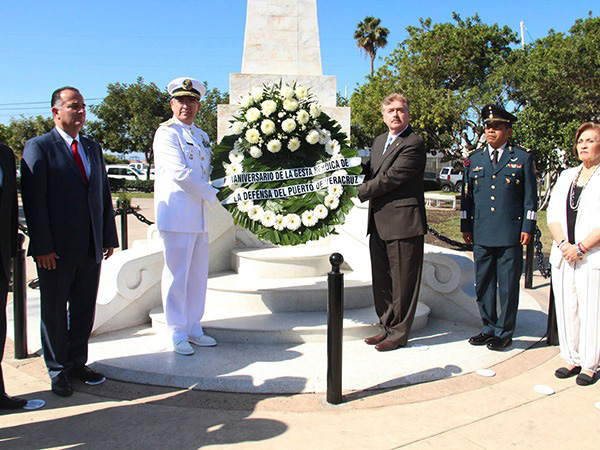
x,y
388,143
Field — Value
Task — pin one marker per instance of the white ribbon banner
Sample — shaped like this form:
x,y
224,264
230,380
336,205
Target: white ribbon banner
x,y
291,190
287,174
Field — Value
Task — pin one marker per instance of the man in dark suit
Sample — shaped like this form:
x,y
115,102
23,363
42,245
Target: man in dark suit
x,y
397,223
69,213
8,249
498,215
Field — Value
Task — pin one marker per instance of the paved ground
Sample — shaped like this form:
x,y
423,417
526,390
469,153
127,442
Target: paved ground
x,y
464,412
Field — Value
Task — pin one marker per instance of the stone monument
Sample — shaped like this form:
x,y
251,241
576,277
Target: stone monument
x,y
282,43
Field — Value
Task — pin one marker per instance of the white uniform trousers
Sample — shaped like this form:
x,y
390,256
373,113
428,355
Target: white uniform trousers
x,y
577,301
184,282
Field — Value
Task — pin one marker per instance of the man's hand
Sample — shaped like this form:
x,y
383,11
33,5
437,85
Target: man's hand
x,y
467,237
47,261
108,252
525,238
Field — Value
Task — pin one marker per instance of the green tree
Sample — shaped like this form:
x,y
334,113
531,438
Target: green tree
x,y
113,159
21,130
370,37
448,71
554,81
128,117
206,118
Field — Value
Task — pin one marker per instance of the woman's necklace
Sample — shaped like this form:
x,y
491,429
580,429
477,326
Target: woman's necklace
x,y
572,203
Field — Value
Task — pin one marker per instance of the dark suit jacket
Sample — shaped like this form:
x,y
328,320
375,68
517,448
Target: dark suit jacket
x,y
59,208
8,211
394,187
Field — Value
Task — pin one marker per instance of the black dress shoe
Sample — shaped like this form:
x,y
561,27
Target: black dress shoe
x,y
61,385
7,402
497,343
480,339
374,340
87,375
387,345
583,379
563,372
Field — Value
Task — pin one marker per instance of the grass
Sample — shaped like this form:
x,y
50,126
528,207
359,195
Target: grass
x,y
118,194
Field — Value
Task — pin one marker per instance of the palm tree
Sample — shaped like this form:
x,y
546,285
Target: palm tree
x,y
370,37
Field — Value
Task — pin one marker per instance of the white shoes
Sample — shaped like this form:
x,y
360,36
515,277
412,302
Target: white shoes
x,y
183,348
202,341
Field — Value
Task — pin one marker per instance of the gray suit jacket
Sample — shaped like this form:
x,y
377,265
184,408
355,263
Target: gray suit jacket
x,y
394,187
59,208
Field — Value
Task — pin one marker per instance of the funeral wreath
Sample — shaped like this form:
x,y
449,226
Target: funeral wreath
x,y
286,172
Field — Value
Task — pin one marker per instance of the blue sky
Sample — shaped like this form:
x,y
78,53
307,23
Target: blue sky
x,y
89,44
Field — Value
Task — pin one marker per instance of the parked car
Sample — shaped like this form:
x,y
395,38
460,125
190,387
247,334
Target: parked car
x,y
143,169
431,182
123,172
451,179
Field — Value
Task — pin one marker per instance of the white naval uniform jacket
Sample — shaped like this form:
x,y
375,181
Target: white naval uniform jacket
x,y
588,214
181,187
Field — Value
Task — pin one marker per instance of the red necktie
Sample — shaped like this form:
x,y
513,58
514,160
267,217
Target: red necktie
x,y
79,161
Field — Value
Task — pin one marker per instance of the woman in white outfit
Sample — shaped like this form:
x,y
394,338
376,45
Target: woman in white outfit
x,y
574,221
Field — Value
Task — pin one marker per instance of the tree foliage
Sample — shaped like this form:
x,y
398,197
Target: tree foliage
x,y
129,115
448,71
21,130
370,37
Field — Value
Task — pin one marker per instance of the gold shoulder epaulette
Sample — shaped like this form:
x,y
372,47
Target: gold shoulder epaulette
x,y
168,123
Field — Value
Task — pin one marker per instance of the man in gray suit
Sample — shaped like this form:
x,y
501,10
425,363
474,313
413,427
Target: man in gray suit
x,y
8,248
397,223
69,213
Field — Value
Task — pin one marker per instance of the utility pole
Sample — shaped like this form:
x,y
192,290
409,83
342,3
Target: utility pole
x,y
522,34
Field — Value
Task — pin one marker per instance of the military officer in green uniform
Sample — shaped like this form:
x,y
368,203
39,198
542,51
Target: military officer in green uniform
x,y
498,216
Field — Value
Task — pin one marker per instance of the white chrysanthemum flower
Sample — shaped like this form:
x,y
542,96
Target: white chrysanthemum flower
x,y
280,222
335,189
274,145
255,151
339,173
324,136
301,91
281,115
256,93
237,127
246,101
252,135
268,107
236,156
233,169
290,104
309,218
335,146
288,125
312,137
252,115
293,222
245,205
256,213
337,156
267,126
328,147
321,211
287,92
315,110
268,219
302,116
293,144
332,202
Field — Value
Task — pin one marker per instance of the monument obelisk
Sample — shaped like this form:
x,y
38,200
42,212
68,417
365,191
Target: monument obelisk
x,y
281,42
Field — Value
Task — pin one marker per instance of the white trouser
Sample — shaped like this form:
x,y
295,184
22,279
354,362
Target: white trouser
x,y
577,300
184,282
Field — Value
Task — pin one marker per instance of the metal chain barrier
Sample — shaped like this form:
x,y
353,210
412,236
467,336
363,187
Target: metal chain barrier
x,y
461,245
542,266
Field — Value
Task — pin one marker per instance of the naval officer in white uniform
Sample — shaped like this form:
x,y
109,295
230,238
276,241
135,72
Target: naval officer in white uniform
x,y
181,195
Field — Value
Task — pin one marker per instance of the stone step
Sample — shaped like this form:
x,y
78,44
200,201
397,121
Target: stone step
x,y
286,327
234,292
281,262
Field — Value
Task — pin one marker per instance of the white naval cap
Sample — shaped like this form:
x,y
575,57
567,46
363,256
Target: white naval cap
x,y
186,86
